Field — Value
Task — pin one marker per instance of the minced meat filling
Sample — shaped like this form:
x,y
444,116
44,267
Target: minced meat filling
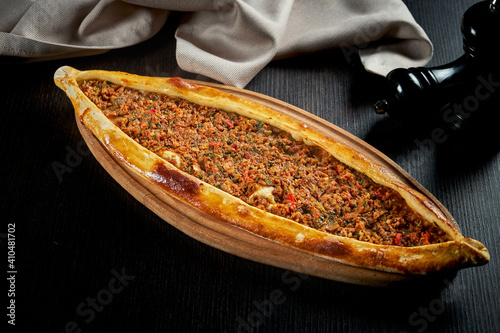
x,y
264,166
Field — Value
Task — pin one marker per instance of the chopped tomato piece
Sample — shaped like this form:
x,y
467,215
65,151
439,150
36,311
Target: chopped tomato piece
x,y
397,240
425,239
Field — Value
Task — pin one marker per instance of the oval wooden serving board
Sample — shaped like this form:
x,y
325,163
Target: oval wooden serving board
x,y
240,242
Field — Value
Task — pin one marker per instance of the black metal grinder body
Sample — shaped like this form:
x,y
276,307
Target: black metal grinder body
x,y
456,93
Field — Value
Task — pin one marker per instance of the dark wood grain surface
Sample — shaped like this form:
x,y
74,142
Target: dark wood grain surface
x,y
90,258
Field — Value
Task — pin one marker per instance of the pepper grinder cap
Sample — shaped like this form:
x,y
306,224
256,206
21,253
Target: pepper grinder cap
x,y
481,30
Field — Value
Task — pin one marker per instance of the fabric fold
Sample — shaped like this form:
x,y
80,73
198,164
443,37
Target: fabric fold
x,y
227,40
235,49
48,30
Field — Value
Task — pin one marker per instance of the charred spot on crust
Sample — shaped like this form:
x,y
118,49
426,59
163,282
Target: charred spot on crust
x,y
82,116
337,249
175,182
334,248
180,83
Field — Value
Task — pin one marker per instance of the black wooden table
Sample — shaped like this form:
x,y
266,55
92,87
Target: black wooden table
x,y
90,258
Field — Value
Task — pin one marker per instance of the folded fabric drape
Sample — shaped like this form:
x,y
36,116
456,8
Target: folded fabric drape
x,y
227,40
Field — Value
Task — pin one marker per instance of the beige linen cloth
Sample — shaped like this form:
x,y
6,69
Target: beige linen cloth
x,y
227,40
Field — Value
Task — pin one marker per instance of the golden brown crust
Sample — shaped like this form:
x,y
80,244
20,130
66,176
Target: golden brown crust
x,y
459,253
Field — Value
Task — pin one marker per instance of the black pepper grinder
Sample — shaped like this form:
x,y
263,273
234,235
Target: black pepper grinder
x,y
451,93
